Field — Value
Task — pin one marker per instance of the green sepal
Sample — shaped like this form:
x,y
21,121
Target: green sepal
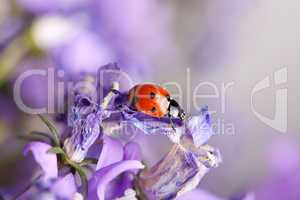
x,y
88,161
84,182
52,129
32,138
44,135
83,178
56,150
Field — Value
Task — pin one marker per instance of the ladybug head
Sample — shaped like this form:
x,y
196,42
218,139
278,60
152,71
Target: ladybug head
x,y
175,110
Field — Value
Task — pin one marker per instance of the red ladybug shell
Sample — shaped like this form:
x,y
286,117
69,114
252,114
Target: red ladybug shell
x,y
150,99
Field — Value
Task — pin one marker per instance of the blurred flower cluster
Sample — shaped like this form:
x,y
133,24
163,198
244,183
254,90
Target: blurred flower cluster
x,y
78,37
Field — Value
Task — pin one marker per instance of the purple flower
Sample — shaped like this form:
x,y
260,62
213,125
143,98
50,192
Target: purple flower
x,y
199,127
111,152
115,174
102,177
178,172
84,134
85,119
49,184
48,162
183,167
144,124
123,161
113,161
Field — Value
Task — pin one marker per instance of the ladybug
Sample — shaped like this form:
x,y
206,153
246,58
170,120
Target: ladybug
x,y
155,101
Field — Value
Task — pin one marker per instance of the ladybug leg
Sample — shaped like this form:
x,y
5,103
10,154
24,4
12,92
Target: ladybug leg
x,y
110,95
171,122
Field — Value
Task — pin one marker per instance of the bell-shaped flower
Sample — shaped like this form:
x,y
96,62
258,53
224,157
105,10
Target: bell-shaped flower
x,y
48,185
115,161
182,169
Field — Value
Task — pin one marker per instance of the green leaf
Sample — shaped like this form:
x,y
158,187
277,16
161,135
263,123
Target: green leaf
x,y
52,129
88,161
32,138
57,150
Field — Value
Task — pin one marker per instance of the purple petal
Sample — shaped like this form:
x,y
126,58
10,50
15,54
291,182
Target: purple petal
x,y
68,185
199,127
105,175
132,151
112,152
180,171
198,194
47,161
150,126
177,172
84,134
85,118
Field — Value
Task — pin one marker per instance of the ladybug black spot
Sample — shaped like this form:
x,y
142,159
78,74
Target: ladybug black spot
x,y
153,109
152,95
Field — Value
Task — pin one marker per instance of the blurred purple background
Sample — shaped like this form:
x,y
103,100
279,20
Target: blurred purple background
x,y
235,43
